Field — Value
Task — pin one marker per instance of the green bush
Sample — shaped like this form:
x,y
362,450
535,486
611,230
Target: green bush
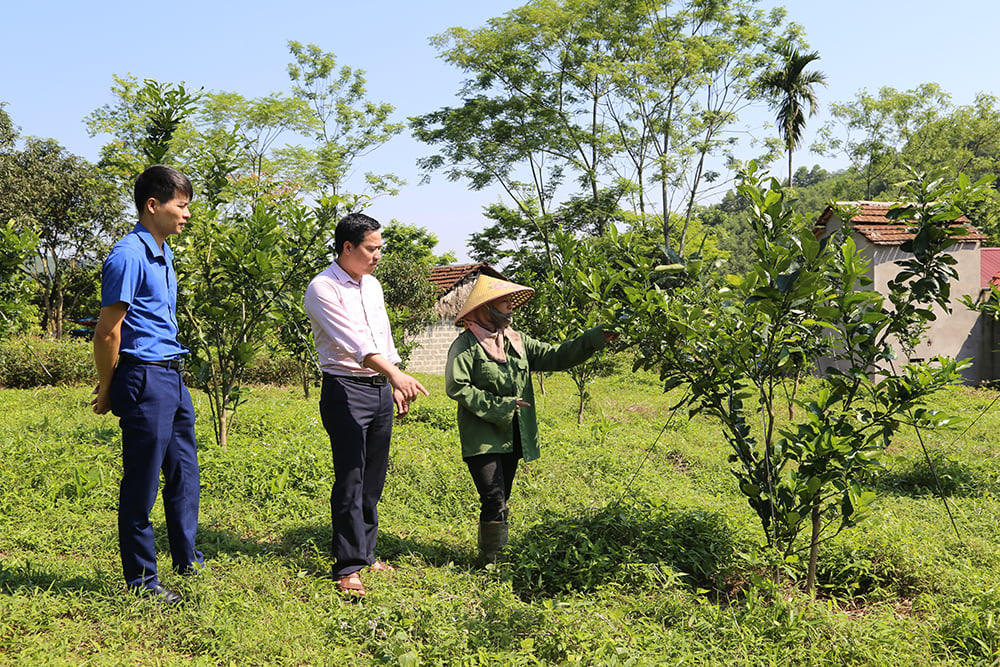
x,y
274,369
28,361
630,544
31,361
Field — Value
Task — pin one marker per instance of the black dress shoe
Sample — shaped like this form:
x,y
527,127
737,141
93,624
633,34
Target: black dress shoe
x,y
161,592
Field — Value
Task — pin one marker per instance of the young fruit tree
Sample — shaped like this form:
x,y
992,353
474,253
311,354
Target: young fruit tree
x,y
567,302
806,304
239,278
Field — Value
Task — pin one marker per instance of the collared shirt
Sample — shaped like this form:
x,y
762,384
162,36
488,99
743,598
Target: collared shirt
x,y
140,274
349,322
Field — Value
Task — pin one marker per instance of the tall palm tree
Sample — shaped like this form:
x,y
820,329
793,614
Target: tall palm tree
x,y
791,88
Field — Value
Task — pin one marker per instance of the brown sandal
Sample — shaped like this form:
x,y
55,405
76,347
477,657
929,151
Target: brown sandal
x,y
351,586
381,566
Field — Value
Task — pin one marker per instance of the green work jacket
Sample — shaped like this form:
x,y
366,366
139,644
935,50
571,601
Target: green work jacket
x,y
487,391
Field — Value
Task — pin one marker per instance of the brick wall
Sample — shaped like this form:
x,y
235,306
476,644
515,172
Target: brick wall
x,y
432,354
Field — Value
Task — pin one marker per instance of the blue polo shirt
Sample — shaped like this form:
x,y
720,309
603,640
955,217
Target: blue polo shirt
x,y
140,274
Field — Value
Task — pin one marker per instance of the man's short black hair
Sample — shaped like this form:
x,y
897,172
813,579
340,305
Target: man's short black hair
x,y
161,183
353,227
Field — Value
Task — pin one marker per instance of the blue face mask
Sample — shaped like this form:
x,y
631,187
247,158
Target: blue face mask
x,y
500,319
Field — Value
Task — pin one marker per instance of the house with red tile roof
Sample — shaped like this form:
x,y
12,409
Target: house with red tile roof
x,y
453,283
960,334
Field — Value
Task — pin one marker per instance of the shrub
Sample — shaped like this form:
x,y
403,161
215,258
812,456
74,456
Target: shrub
x,y
626,544
854,571
31,361
273,368
28,361
439,418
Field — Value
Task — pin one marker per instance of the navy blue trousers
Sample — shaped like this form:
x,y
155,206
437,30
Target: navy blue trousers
x,y
358,419
157,421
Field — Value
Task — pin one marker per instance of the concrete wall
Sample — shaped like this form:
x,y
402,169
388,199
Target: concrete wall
x,y
956,335
959,335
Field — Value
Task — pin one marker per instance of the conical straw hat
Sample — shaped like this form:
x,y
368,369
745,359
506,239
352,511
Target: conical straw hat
x,y
488,288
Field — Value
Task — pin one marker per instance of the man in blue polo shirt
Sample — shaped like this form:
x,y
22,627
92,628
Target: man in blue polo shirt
x,y
139,363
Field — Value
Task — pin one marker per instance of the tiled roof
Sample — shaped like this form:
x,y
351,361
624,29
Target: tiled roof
x,y
989,263
446,277
871,222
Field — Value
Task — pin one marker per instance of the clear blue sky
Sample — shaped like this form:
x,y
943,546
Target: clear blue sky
x,y
57,58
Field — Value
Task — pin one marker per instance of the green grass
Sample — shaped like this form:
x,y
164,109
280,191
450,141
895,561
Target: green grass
x,y
622,552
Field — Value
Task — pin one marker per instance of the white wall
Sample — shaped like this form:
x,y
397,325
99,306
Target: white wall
x,y
955,335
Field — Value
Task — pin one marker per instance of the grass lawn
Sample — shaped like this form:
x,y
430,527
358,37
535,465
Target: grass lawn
x,y
630,545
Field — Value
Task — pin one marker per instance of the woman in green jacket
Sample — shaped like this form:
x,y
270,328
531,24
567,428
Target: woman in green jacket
x,y
489,375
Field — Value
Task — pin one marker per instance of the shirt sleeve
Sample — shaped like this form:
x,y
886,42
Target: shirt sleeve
x,y
546,357
331,320
120,277
390,352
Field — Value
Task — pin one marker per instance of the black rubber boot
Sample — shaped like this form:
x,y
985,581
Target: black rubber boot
x,y
492,540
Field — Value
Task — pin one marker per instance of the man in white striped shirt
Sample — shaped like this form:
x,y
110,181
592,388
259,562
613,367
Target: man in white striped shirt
x,y
361,382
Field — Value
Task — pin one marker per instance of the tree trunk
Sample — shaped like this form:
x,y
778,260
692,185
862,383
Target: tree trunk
x,y
223,425
690,207
664,190
52,302
46,309
795,391
58,309
813,552
665,204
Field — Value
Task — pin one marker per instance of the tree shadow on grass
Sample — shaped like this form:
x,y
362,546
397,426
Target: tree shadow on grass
x,y
434,553
19,577
213,542
941,476
109,436
308,548
26,572
631,545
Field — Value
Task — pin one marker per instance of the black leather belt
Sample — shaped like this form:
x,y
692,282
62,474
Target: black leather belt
x,y
371,380
172,364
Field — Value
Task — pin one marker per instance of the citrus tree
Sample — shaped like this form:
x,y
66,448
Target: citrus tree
x,y
240,279
806,303
568,301
253,243
16,311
